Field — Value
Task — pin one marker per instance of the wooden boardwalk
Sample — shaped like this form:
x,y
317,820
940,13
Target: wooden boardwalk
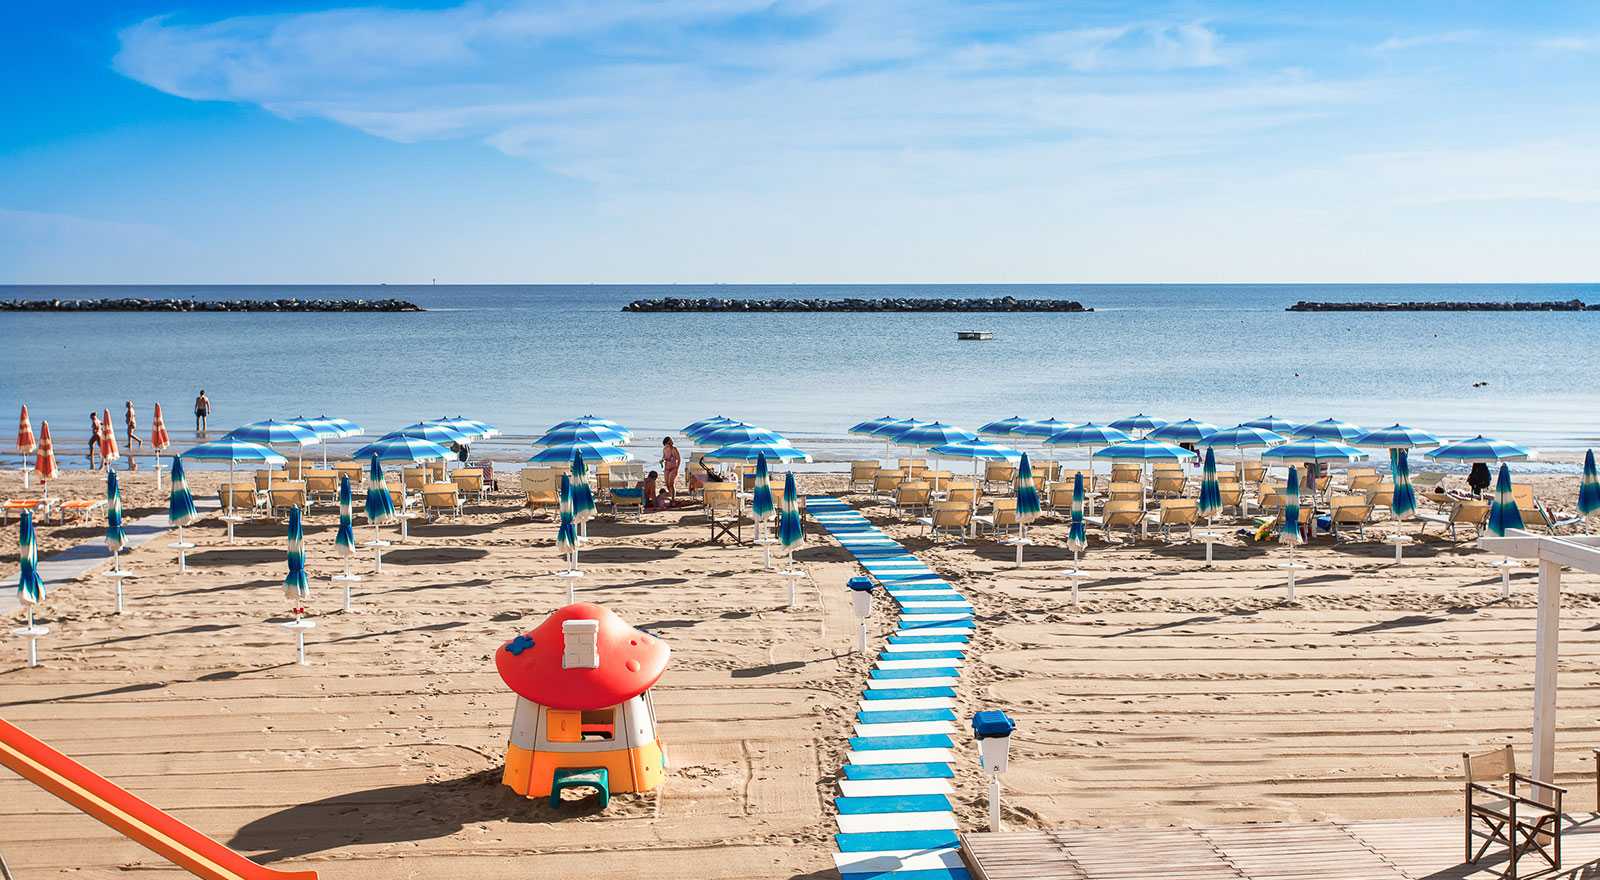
x,y
1417,849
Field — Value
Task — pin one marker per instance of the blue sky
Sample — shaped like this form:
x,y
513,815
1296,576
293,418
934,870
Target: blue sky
x,y
805,141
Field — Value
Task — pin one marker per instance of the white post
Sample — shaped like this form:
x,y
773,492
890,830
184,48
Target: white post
x,y
1548,627
33,640
994,802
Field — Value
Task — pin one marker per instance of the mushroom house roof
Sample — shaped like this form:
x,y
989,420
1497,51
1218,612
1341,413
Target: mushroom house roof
x,y
631,661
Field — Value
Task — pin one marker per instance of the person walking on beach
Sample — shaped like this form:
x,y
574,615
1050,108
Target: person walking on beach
x,y
671,459
94,438
132,420
202,409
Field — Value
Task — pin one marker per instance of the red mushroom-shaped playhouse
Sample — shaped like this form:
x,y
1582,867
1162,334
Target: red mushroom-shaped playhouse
x,y
584,716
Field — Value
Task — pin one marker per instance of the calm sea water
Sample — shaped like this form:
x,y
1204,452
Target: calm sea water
x,y
526,356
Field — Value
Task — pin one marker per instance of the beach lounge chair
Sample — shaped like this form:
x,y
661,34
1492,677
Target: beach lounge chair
x,y
627,498
1002,517
439,499
912,497
965,492
241,496
884,484
1252,471
1232,497
863,474
998,477
913,463
948,517
78,508
1349,510
1381,497
1049,471
1178,513
1122,514
541,487
282,496
724,511
470,482
1425,481
357,471
1126,473
1360,479
1124,491
415,478
630,472
1522,824
264,476
1170,483
1060,498
16,506
322,485
1269,498
1464,512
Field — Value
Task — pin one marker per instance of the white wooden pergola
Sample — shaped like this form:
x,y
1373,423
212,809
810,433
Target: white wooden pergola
x,y
1552,554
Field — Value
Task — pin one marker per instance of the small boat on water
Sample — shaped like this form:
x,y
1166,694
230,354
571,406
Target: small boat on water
x,y
974,335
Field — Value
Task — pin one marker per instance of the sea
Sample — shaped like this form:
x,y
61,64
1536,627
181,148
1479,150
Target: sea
x,y
526,356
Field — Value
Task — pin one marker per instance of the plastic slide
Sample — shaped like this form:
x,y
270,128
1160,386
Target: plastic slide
x,y
128,815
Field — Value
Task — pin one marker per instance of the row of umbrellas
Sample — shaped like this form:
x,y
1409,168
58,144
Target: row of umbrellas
x,y
42,448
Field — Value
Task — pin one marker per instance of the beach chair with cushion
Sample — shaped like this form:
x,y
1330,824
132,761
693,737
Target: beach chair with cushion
x,y
724,511
884,484
282,496
80,509
541,488
627,498
322,485
440,499
1349,510
1463,512
470,482
1522,824
863,474
912,497
1178,513
1122,514
948,518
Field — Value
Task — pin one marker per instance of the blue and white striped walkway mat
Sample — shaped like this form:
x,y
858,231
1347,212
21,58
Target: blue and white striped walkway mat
x,y
895,818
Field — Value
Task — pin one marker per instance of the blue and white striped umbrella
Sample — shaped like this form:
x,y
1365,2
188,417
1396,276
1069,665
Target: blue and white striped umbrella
x,y
1245,436
1027,493
866,428
180,504
472,428
976,450
344,541
583,508
404,449
295,585
727,435
1089,434
430,431
1274,424
30,587
1001,427
1077,536
1503,513
593,421
1186,431
790,532
1404,503
697,430
380,507
563,452
1397,436
893,430
1041,428
752,451
934,434
274,432
1210,491
1144,451
1589,488
328,427
1139,422
1289,531
582,434
234,450
761,500
116,535
1313,449
1480,448
567,532
1331,429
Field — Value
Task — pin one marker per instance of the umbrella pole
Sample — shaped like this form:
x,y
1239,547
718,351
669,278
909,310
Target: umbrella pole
x,y
33,640
1075,574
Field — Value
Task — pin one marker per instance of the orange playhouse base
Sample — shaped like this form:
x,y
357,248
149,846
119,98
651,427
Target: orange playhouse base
x,y
531,774
128,815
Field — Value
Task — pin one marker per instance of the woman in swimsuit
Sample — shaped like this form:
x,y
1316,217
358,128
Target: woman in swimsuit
x,y
94,438
671,460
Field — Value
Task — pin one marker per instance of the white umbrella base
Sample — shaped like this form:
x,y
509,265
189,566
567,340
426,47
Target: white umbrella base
x,y
299,627
32,634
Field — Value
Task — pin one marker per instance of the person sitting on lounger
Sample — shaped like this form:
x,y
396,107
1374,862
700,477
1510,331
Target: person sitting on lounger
x,y
1478,479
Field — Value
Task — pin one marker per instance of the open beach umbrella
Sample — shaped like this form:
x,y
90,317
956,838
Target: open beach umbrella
x,y
1289,529
1041,428
1139,424
594,421
583,508
274,432
582,434
1480,448
1146,452
44,459
563,452
401,448
1274,424
1089,436
865,429
1503,513
1589,488
1001,427
26,443
934,434
757,449
1313,450
727,435
892,431
1397,436
473,429
328,428
790,532
1245,436
440,434
690,429
1027,503
380,507
1210,491
1404,503
234,451
116,535
180,503
295,586
1331,429
108,439
976,450
1186,431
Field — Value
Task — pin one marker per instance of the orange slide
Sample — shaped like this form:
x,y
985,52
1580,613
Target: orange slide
x,y
138,821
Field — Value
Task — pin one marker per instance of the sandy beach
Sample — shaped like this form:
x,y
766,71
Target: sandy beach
x,y
1174,695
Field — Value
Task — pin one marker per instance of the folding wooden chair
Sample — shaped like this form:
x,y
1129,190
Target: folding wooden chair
x,y
723,510
1523,825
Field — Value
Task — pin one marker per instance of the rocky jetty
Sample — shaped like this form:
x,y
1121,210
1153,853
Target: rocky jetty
x,y
1571,305
132,304
883,304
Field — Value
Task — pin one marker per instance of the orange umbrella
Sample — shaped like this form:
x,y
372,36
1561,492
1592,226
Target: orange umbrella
x,y
25,441
159,439
108,438
44,460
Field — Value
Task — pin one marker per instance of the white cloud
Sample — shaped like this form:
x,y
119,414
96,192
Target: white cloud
x,y
1570,44
1419,41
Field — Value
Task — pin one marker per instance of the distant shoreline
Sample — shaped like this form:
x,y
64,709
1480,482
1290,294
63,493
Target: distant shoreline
x,y
852,304
1571,305
131,304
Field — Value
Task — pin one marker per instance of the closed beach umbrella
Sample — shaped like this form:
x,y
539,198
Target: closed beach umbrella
x,y
180,503
567,532
758,449
1331,429
1139,424
30,587
108,438
761,500
1027,493
1001,427
1589,489
1274,424
344,542
116,535
790,532
1210,492
866,428
1289,530
582,434
1480,448
402,449
26,443
295,586
1404,502
1186,431
1245,437
1503,513
380,507
582,495
159,440
563,453
44,459
1040,428
1077,536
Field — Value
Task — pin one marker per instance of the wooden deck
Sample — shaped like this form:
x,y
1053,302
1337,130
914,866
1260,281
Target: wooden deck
x,y
1418,849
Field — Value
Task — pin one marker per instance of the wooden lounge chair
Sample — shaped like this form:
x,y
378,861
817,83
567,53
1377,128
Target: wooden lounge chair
x,y
1122,514
949,518
1178,513
1464,512
322,485
1524,825
439,499
282,496
470,482
862,475
724,511
1349,510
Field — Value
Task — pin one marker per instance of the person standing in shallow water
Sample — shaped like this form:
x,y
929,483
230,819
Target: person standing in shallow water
x,y
202,411
132,420
671,460
94,438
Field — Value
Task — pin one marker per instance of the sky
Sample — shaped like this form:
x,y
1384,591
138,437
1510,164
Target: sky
x,y
866,141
